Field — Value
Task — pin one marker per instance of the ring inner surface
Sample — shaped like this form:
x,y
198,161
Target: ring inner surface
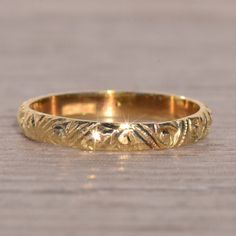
x,y
117,107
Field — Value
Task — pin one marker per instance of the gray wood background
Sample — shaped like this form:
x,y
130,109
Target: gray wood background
x,y
185,47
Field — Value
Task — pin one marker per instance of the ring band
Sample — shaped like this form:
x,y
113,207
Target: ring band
x,y
115,121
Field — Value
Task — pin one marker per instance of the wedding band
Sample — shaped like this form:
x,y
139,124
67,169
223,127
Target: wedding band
x,y
115,121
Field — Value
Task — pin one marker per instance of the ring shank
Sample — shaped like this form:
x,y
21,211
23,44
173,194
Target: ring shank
x,y
115,121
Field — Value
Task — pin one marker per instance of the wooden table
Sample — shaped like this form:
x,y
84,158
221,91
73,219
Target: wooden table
x,y
182,47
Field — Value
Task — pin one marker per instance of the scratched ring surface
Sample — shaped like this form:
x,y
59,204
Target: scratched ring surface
x,y
115,121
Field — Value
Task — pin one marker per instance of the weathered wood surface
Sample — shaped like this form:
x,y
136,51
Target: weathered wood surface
x,y
181,47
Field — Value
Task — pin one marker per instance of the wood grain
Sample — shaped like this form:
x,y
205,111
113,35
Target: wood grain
x,y
181,47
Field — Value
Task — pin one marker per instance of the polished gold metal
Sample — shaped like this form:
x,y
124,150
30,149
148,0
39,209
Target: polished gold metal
x,y
115,121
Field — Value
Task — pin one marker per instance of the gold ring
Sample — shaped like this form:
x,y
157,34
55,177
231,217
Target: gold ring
x,y
115,121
